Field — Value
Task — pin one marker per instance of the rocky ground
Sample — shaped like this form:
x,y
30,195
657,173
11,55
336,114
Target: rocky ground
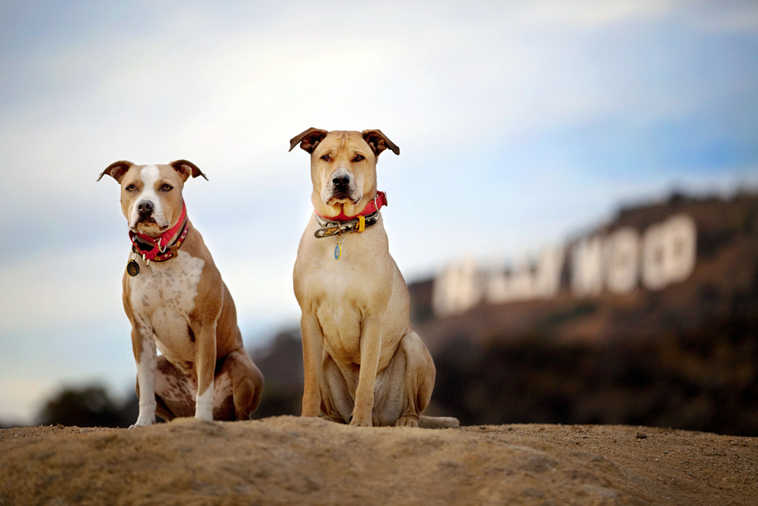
x,y
289,460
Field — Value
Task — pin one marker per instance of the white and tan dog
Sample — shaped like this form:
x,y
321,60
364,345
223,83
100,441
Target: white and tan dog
x,y
362,361
175,299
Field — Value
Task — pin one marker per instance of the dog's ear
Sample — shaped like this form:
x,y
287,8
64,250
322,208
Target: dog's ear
x,y
185,168
309,139
379,142
116,170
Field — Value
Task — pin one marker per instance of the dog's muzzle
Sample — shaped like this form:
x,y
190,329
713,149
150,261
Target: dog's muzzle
x,y
145,210
341,187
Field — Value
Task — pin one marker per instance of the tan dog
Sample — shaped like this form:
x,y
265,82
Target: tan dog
x,y
362,361
174,298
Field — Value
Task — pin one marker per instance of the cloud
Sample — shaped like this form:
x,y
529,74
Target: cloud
x,y
732,16
587,14
451,83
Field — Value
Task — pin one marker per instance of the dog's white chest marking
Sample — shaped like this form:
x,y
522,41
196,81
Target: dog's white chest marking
x,y
162,296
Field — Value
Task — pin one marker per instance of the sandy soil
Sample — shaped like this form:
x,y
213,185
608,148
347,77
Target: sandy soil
x,y
288,460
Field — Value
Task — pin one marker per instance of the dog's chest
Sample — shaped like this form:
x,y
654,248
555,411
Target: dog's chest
x,y
163,295
339,300
170,284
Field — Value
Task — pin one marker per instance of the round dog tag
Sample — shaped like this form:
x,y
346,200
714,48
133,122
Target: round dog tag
x,y
132,268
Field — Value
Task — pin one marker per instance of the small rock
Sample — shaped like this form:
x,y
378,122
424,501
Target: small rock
x,y
641,435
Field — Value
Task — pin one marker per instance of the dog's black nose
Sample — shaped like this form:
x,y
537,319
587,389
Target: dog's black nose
x,y
145,208
341,181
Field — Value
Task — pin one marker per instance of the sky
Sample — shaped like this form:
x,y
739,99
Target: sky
x,y
519,123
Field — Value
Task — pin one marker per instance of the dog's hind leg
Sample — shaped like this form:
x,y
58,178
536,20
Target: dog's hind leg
x,y
404,387
389,391
419,383
418,378
246,386
336,399
174,391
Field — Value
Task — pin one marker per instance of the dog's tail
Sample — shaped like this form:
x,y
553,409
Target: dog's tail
x,y
438,422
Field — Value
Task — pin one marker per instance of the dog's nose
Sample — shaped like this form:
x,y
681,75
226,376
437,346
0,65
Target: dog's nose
x,y
145,208
341,181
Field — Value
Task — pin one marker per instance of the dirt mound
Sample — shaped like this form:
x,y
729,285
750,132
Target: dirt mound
x,y
289,460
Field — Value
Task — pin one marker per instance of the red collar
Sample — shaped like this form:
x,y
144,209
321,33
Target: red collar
x,y
379,200
160,244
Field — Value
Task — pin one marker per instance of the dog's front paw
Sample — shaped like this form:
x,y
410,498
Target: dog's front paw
x,y
143,421
407,421
310,411
206,415
360,421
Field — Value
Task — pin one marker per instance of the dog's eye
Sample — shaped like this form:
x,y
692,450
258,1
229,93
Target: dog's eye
x,y
165,187
358,158
130,188
326,157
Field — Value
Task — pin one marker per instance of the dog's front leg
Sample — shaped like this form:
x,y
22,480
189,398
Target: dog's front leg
x,y
312,356
371,344
205,365
143,346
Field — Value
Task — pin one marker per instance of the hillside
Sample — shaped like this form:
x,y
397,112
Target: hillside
x,y
724,281
288,460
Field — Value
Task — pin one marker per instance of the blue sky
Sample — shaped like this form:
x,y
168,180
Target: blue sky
x,y
518,125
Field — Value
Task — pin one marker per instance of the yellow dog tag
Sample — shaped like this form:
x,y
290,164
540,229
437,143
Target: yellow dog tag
x,y
361,223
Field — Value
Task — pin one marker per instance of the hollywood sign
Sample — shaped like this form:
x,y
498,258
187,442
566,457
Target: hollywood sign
x,y
616,263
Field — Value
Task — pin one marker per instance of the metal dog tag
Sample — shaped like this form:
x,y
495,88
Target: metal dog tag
x,y
338,248
132,268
